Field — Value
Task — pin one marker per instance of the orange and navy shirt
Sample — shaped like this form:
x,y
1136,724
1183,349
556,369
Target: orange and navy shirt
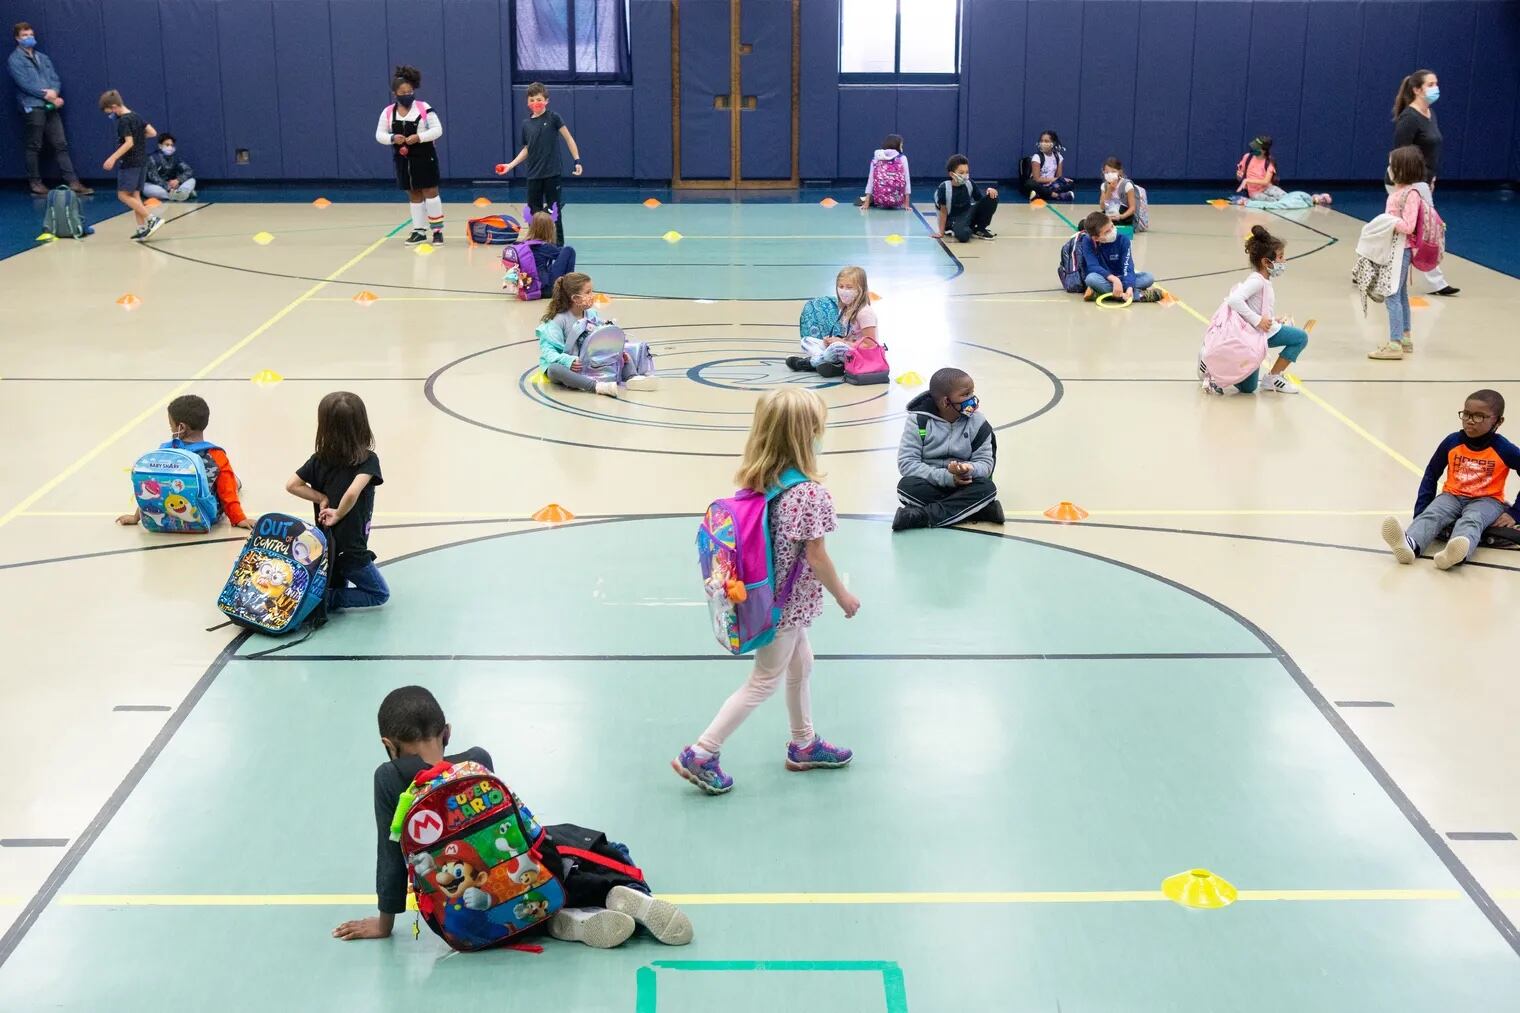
x,y
1475,469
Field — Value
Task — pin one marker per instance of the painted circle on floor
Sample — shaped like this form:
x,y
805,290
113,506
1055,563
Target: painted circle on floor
x,y
709,377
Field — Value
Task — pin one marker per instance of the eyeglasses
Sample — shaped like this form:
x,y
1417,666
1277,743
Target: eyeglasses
x,y
1467,416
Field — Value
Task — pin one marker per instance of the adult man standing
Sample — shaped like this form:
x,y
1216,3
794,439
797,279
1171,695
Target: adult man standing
x,y
37,89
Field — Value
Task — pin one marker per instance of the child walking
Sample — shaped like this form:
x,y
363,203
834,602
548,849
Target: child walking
x,y
1243,327
1047,170
130,161
339,479
572,316
410,126
1406,168
888,183
1477,462
788,425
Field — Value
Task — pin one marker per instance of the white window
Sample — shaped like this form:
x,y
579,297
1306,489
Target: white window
x,y
885,39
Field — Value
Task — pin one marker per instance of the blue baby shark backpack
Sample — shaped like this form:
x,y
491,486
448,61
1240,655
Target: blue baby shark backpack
x,y
172,489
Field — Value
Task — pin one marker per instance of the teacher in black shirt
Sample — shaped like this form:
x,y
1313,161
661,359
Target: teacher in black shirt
x,y
1414,122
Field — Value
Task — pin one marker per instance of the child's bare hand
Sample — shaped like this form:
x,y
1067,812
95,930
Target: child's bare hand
x,y
1265,325
849,604
327,517
1504,521
361,928
245,524
133,518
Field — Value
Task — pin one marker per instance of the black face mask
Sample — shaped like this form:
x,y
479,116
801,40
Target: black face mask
x,y
405,101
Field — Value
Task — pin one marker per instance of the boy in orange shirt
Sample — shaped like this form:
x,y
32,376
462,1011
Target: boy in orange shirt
x,y
1477,462
189,415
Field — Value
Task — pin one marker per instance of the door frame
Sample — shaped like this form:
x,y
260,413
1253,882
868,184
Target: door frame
x,y
735,180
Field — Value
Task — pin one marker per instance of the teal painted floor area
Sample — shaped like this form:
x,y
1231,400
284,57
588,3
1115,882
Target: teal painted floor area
x,y
973,775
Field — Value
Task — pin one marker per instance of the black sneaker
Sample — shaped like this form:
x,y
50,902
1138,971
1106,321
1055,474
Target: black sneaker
x,y
1448,290
831,370
984,233
437,237
152,226
140,234
909,517
992,513
417,236
800,364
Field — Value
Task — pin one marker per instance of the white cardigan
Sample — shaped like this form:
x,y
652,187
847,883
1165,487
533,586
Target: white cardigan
x,y
432,126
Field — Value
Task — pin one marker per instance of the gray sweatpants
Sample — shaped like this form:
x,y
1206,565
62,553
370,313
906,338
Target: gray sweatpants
x,y
1466,516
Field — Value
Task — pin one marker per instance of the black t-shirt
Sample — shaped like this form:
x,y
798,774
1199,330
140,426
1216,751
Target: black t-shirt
x,y
391,780
1421,131
540,135
350,536
133,126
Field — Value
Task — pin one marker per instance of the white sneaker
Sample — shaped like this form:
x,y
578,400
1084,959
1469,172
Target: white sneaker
x,y
596,928
1387,350
607,389
1393,535
643,383
1454,553
664,920
1407,344
1279,384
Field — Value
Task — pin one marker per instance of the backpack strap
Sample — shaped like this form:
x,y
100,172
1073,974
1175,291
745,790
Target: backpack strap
x,y
631,871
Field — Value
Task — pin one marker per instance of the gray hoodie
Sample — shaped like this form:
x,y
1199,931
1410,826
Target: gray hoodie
x,y
929,443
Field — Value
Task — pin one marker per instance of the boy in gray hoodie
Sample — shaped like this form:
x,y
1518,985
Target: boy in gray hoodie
x,y
946,457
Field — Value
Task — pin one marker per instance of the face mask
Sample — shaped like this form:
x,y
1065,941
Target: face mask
x,y
166,149
1112,177
1276,269
405,101
29,42
1046,146
1432,93
110,116
846,295
960,177
966,407
1256,150
1108,237
538,105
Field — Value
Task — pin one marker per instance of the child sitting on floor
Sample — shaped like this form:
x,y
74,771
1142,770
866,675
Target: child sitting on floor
x,y
1108,264
1477,462
189,415
1045,170
888,184
826,351
169,175
946,457
965,209
1244,328
1121,199
553,262
567,323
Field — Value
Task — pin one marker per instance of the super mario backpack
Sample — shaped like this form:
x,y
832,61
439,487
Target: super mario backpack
x,y
172,489
280,578
744,600
481,867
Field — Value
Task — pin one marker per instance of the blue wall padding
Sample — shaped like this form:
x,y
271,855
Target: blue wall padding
x,y
1387,54
1493,138
818,115
603,127
706,144
1106,117
474,91
1332,48
1052,62
250,91
1448,28
1163,84
76,42
653,116
361,73
997,132
1274,80
415,36
929,115
308,129
765,145
1217,113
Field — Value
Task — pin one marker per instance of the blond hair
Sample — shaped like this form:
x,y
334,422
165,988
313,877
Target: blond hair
x,y
541,227
857,277
788,423
566,287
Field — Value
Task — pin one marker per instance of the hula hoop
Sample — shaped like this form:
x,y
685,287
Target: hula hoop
x,y
1112,305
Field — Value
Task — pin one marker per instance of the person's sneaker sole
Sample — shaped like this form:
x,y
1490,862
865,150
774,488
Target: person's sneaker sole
x,y
687,775
643,383
1393,536
792,764
664,920
1454,553
154,224
603,930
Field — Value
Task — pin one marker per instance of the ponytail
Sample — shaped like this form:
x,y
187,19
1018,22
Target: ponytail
x,y
564,291
1407,88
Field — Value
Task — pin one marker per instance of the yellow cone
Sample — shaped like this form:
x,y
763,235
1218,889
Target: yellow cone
x,y
263,238
911,379
1199,888
894,240
673,236
538,378
46,237
423,249
266,378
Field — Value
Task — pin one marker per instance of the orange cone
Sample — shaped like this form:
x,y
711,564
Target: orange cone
x,y
1066,511
129,301
602,298
553,514
828,202
152,202
1309,326
1218,202
321,202
875,297
366,297
482,202
1038,202
1418,302
651,203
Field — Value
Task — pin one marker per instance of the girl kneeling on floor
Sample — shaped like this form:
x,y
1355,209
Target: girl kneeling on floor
x,y
1243,328
569,321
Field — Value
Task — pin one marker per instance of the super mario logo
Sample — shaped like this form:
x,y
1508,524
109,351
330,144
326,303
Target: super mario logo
x,y
464,806
424,826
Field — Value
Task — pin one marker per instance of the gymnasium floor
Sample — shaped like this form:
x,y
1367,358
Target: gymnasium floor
x,y
1221,667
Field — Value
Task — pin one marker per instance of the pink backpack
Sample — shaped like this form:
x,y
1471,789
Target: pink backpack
x,y
744,599
1427,243
889,183
1232,348
867,363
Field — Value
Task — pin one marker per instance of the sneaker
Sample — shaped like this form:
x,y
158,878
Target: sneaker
x,y
1394,537
1206,382
862,201
816,754
1448,290
705,774
1276,383
140,234
1033,195
85,191
1407,344
643,383
666,922
800,364
984,233
1454,553
992,513
152,226
417,236
607,389
1152,294
909,517
602,930
38,190
1068,195
437,237
1388,350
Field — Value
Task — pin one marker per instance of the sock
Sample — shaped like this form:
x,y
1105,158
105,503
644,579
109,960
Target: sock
x,y
434,212
803,743
702,755
419,219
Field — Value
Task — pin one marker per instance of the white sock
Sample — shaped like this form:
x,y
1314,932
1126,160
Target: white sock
x,y
434,212
701,754
419,217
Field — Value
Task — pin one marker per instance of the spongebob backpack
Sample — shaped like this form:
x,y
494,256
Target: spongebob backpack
x,y
172,488
482,869
280,577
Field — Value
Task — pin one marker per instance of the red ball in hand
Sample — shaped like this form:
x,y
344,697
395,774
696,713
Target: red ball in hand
x,y
501,168
403,150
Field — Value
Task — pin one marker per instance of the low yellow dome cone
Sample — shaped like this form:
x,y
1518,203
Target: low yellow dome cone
x,y
46,237
1218,202
1199,888
424,249
672,236
893,240
265,378
911,379
539,378
263,238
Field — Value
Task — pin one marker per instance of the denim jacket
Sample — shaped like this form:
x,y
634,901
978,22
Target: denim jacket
x,y
32,78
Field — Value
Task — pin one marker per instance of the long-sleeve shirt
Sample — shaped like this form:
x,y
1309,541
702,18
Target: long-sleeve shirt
x,y
1413,127
1404,205
34,75
1254,289
559,339
162,168
889,154
1104,259
432,127
391,779
929,443
1475,469
226,485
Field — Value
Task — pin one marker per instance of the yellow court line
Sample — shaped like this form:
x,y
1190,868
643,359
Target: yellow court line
x,y
1333,411
1095,512
794,899
160,404
420,298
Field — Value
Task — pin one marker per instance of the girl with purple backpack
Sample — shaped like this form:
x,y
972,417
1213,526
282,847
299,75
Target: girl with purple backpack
x,y
782,453
553,262
888,184
567,323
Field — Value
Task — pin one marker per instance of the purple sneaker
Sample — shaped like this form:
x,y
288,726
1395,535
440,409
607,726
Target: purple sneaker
x,y
705,774
817,753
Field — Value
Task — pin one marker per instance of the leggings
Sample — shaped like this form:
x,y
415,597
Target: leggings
x,y
1289,341
789,655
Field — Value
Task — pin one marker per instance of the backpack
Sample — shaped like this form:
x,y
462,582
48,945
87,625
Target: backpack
x,y
601,354
1069,270
820,318
476,857
280,577
493,230
744,601
1427,243
172,489
867,363
522,270
1142,218
1232,348
62,219
889,183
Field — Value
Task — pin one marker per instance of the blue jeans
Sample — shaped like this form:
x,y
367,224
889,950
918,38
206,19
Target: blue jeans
x,y
1100,284
1398,303
1289,341
1468,517
369,589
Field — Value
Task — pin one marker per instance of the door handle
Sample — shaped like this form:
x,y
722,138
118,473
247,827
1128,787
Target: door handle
x,y
722,102
747,104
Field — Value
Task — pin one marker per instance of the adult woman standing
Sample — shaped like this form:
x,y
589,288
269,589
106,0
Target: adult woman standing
x,y
1414,122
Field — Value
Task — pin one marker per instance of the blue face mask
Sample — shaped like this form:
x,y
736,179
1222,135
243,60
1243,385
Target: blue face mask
x,y
29,42
968,406
1432,93
110,116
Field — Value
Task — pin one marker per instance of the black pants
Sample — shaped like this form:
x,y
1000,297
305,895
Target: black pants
x,y
978,216
946,505
543,194
47,123
1054,190
586,879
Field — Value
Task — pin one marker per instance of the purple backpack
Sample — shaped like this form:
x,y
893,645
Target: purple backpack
x,y
522,270
734,548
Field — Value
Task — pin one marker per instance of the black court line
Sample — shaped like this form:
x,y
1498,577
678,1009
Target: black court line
x,y
214,379
33,842
1363,703
749,659
1474,890
141,707
1318,379
1480,835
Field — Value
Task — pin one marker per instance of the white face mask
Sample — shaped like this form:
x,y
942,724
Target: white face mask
x,y
961,177
167,149
1111,176
846,295
1046,146
1109,237
1276,269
